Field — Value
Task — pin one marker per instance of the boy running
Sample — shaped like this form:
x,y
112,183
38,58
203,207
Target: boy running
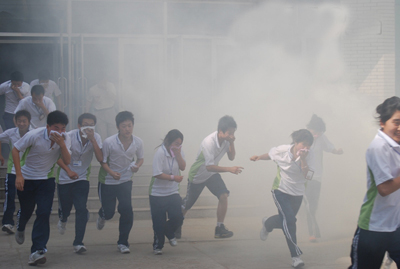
x,y
73,179
35,179
205,171
115,176
11,136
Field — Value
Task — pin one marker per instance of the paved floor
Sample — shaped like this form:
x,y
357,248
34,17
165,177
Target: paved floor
x,y
196,249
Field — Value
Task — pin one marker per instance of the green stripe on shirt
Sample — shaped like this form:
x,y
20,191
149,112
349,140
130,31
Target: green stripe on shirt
x,y
196,166
367,207
277,180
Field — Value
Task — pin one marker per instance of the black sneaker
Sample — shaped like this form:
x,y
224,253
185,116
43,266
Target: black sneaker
x,y
222,232
178,233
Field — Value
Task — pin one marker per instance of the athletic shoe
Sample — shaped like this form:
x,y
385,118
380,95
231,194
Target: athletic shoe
x,y
173,242
100,223
297,262
157,251
79,249
61,227
222,232
20,237
264,233
313,239
37,257
8,228
123,249
178,232
387,262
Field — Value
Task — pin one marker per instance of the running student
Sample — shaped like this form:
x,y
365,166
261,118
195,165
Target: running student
x,y
35,179
378,228
73,179
205,171
115,176
321,143
295,168
164,190
11,136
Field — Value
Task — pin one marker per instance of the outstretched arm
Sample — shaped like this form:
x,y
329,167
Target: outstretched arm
x,y
260,157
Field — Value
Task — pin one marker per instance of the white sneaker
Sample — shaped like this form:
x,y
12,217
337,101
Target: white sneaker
x,y
79,249
297,262
61,227
100,223
20,237
8,228
123,249
263,232
37,257
387,262
173,242
158,251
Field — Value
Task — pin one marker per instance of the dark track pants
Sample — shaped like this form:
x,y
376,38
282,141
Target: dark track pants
x,y
9,203
311,200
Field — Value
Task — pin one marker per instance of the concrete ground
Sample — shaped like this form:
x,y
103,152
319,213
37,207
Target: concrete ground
x,y
196,249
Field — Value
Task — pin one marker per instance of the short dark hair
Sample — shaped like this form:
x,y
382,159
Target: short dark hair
x,y
23,113
37,90
302,135
225,123
123,116
388,108
44,74
17,76
317,124
172,136
87,116
56,117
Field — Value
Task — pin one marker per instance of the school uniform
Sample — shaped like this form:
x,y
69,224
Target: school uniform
x,y
12,101
75,191
38,171
210,153
378,228
10,136
39,119
320,145
50,91
119,160
165,198
288,190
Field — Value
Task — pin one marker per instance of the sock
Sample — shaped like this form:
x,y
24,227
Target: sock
x,y
219,224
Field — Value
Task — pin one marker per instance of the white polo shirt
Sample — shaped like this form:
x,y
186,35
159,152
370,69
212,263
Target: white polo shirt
x,y
102,98
290,178
81,158
11,136
378,213
210,153
38,117
118,159
320,145
12,99
40,156
50,91
164,163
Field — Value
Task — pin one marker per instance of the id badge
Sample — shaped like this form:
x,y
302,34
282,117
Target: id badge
x,y
42,116
77,163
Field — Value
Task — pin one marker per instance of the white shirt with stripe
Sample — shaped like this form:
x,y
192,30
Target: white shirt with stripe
x,y
38,117
119,159
81,158
210,153
290,178
11,136
12,99
163,162
40,156
378,213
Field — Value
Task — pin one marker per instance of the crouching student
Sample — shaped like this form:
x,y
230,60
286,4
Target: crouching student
x,y
73,179
164,190
295,167
35,179
11,136
115,176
